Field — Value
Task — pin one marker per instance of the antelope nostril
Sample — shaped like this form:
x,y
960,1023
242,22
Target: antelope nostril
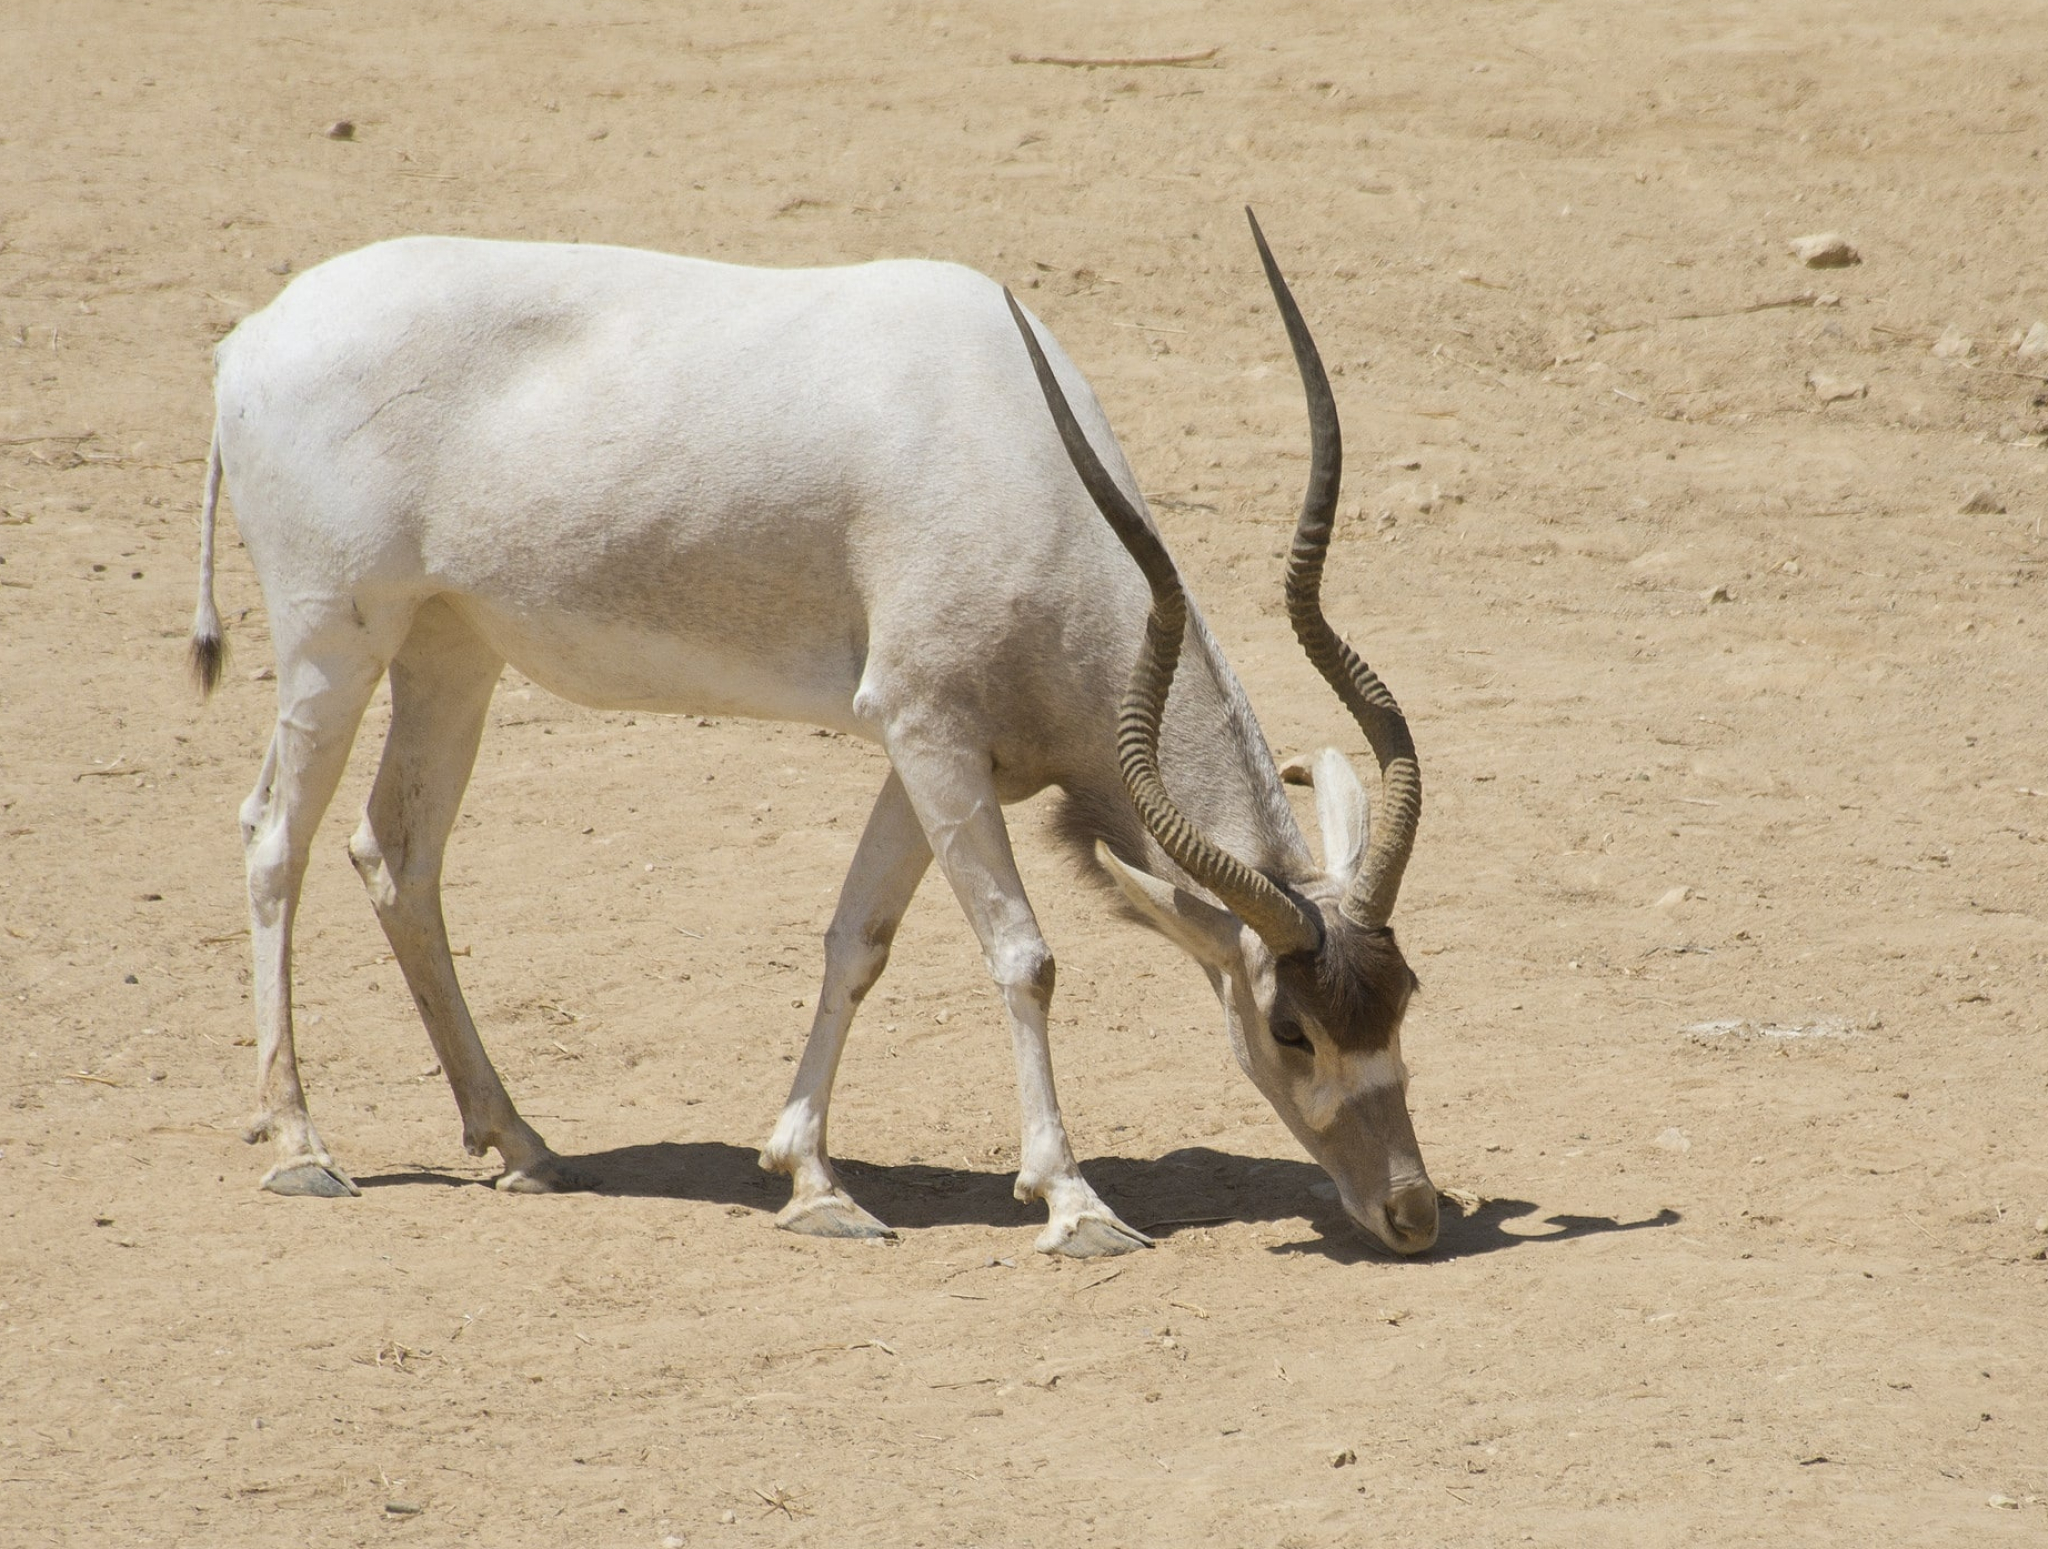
x,y
1411,1216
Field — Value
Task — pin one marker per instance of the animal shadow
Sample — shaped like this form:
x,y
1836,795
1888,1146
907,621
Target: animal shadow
x,y
1466,1231
1195,1186
1182,1190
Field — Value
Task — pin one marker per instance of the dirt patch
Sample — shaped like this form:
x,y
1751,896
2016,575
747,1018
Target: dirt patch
x,y
1726,681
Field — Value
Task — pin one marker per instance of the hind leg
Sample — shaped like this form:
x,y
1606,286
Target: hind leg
x,y
324,681
441,685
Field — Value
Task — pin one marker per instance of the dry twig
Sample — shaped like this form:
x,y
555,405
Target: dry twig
x,y
1116,61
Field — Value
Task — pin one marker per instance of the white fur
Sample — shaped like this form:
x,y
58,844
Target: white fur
x,y
829,495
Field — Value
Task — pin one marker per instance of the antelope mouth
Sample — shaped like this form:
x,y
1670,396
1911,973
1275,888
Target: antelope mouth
x,y
1404,1221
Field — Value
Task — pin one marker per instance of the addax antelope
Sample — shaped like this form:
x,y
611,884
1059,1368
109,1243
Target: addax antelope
x,y
823,495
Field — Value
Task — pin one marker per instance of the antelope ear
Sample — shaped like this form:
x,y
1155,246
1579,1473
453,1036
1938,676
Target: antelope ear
x,y
1341,809
1206,933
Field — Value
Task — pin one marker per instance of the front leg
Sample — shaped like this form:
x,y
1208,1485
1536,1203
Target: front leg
x,y
887,866
954,796
1079,1224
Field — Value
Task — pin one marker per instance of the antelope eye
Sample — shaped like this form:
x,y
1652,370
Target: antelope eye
x,y
1290,1034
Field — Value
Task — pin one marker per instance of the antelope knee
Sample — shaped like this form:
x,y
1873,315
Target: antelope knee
x,y
1025,969
367,856
857,954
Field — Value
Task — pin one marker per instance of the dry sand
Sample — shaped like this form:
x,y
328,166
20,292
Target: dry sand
x,y
1730,912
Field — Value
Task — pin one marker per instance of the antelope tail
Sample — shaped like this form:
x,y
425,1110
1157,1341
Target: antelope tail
x,y
209,649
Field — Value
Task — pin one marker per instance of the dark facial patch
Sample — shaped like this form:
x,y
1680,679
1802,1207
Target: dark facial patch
x,y
1356,986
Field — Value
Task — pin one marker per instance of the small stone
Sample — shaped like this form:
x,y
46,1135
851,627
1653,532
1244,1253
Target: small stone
x,y
2033,344
1412,495
728,1518
402,1509
1674,1140
1825,250
1954,344
2002,1502
281,267
1833,389
1982,502
1343,1457
670,1541
340,129
2041,1225
1673,898
1716,594
130,979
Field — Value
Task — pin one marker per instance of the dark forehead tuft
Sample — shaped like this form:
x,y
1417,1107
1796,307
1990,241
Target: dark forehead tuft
x,y
1356,986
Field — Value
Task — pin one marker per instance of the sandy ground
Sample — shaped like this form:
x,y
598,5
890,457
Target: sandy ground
x,y
1730,912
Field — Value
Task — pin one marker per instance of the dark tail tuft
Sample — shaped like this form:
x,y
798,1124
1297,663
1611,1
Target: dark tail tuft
x,y
209,654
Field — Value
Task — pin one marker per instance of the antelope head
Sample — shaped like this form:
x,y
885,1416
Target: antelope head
x,y
1313,985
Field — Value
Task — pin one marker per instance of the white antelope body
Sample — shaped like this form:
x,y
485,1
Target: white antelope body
x,y
826,495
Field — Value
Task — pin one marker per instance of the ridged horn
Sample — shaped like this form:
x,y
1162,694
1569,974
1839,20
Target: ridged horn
x,y
1370,898
1283,923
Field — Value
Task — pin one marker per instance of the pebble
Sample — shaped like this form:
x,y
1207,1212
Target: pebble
x,y
2003,1502
728,1517
670,1541
340,129
1412,495
1716,594
1344,1457
1954,344
1675,1141
1674,898
402,1509
2041,1226
1825,250
2033,345
1831,389
1982,502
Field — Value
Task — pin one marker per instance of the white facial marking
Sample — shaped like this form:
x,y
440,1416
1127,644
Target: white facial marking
x,y
1342,1075
1382,1068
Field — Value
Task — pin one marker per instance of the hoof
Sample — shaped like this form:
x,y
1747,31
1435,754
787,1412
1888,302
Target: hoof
x,y
310,1179
833,1216
549,1175
1092,1236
